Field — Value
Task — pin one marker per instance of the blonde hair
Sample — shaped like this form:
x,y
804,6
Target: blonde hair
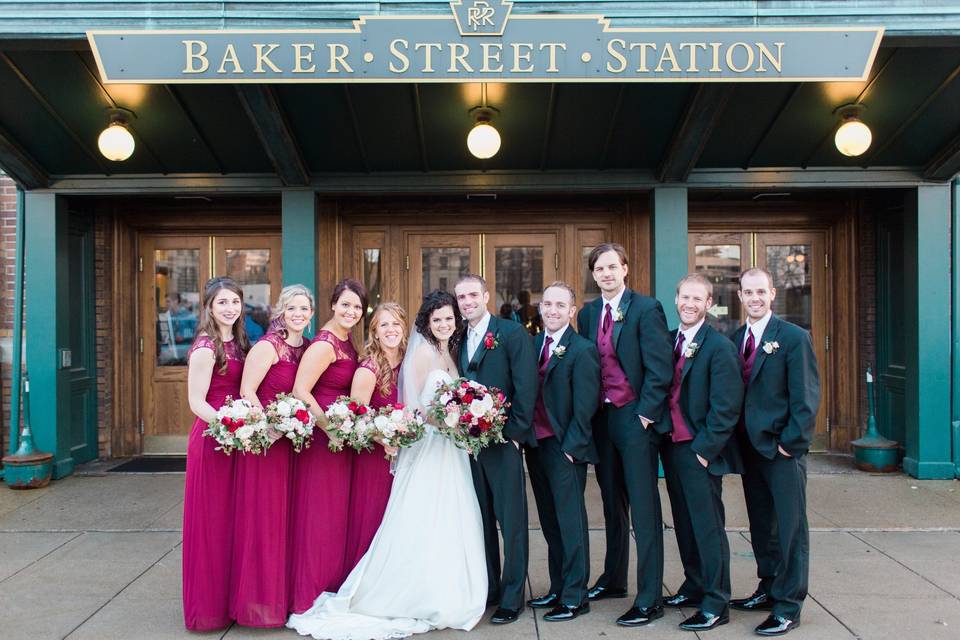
x,y
699,278
560,284
373,350
287,294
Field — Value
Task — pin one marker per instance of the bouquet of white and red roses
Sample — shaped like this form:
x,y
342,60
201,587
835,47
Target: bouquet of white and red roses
x,y
349,424
396,427
239,426
292,419
470,414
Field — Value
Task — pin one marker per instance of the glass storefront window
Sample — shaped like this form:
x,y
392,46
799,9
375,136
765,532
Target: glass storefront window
x,y
590,289
793,276
372,280
519,285
722,264
251,270
443,267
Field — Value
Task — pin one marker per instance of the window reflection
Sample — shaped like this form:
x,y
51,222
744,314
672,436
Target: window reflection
x,y
250,268
722,264
590,289
443,267
177,296
792,276
519,285
373,283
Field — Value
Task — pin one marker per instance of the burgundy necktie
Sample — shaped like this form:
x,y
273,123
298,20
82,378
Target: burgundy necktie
x,y
679,348
607,320
749,347
545,355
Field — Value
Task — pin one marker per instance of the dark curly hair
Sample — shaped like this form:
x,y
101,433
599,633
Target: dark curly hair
x,y
438,299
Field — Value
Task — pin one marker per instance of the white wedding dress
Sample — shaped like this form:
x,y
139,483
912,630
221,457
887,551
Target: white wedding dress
x,y
426,567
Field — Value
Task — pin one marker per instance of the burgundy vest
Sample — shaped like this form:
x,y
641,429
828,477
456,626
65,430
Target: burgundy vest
x,y
680,433
613,381
541,421
746,366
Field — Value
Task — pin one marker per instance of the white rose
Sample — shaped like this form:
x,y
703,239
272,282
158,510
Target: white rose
x,y
445,398
481,407
452,418
396,415
338,409
245,432
283,409
381,422
292,435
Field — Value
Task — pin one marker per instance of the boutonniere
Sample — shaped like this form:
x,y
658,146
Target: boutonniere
x,y
618,315
490,341
560,351
770,348
691,350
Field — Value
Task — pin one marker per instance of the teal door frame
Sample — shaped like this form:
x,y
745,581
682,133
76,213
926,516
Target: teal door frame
x,y
955,325
298,219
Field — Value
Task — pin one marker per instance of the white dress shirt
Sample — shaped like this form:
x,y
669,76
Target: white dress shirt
x,y
614,305
756,328
475,335
556,337
688,335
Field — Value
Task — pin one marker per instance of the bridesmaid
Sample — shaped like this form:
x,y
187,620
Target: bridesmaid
x,y
321,478
215,364
374,383
259,594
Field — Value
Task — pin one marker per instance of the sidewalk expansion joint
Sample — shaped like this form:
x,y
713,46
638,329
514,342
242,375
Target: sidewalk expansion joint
x,y
910,569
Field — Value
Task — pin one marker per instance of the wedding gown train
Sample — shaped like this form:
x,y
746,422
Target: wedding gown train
x,y
425,568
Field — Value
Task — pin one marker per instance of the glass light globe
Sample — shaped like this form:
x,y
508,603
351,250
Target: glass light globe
x,y
115,142
853,138
483,141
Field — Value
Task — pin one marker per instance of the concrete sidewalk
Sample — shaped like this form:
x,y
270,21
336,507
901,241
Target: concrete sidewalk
x,y
98,556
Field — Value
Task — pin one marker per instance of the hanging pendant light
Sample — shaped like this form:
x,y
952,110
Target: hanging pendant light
x,y
483,141
116,143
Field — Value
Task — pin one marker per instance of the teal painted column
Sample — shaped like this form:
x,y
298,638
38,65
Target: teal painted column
x,y
47,325
668,223
955,360
927,309
299,238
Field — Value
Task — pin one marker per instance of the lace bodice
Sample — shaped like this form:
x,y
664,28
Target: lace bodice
x,y
285,352
343,349
337,378
226,383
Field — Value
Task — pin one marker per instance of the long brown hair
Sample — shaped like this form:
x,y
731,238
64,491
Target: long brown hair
x,y
373,350
208,325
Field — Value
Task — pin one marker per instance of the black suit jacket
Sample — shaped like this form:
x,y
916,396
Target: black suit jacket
x,y
644,348
711,396
511,367
783,393
571,393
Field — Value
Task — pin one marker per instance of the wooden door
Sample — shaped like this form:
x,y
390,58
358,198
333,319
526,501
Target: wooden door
x,y
438,261
518,267
174,271
797,262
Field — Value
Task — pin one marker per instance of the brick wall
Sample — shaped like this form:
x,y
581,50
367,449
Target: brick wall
x,y
867,284
103,281
8,234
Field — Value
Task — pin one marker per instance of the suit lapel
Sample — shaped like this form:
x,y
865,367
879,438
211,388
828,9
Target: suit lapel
x,y
593,319
624,307
564,341
698,339
482,347
769,335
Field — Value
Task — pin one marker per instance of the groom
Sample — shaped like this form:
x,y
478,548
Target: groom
x,y
499,353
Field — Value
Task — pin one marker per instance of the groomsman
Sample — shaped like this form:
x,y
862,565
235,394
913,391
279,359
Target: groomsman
x,y
569,392
499,353
779,413
704,404
636,367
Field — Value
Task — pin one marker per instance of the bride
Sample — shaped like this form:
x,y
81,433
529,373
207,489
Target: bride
x,y
425,568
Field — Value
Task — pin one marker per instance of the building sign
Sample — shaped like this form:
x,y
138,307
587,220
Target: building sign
x,y
483,40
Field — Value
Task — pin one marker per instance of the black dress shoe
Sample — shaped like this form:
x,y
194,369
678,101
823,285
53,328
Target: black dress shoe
x,y
776,626
504,616
680,600
759,601
599,593
637,617
548,601
701,621
566,612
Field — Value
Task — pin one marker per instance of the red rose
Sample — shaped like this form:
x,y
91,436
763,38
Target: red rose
x,y
238,422
398,406
501,397
302,415
464,385
467,398
362,409
489,340
466,417
353,407
226,420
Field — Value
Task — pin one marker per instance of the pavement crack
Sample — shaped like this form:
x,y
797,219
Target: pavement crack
x,y
124,588
58,547
832,615
908,568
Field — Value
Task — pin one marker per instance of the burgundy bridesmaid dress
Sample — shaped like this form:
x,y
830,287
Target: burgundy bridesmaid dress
x,y
370,484
208,504
321,493
259,594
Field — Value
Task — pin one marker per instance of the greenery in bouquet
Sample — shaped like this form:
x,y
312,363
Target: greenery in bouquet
x,y
239,426
470,414
290,418
349,424
398,427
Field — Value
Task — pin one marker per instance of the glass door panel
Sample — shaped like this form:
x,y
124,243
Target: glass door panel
x,y
255,264
721,257
438,261
518,267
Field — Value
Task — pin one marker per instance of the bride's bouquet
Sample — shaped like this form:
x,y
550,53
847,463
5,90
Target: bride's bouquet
x,y
239,426
349,424
470,414
396,427
291,418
